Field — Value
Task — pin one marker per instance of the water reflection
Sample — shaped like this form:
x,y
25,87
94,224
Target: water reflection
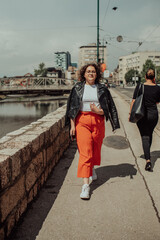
x,y
16,115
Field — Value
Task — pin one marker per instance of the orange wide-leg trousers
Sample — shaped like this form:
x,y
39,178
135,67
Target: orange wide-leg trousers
x,y
90,131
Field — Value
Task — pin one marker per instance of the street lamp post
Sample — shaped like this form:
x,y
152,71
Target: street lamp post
x,y
97,31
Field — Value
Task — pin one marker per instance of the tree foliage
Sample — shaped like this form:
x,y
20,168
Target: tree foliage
x,y
130,74
148,65
158,74
41,71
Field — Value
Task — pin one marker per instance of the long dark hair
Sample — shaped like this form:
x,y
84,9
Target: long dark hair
x,y
83,70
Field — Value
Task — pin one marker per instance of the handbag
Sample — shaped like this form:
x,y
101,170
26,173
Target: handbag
x,y
138,108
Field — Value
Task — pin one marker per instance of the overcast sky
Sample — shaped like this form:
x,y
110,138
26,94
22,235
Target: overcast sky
x,y
32,30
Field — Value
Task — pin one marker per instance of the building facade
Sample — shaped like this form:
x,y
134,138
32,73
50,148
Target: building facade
x,y
135,61
62,60
88,54
71,73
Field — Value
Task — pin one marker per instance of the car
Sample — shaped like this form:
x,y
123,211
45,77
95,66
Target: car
x,y
112,85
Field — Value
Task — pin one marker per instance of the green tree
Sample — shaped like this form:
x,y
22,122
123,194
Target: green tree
x,y
148,65
157,74
42,71
130,74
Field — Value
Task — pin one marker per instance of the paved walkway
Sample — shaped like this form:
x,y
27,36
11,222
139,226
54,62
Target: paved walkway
x,y
125,200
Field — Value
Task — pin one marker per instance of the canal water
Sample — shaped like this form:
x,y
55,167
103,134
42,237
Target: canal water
x,y
14,115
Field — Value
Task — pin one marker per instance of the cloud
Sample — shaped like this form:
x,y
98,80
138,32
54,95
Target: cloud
x,y
31,31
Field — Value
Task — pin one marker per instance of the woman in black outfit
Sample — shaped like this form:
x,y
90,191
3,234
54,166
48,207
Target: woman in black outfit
x,y
147,124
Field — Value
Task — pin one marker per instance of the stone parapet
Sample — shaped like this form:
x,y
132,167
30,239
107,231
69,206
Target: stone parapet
x,y
27,157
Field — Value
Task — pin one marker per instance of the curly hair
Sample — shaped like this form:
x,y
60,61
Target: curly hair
x,y
83,70
150,74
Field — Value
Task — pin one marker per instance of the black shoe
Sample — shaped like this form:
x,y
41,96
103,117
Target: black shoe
x,y
148,166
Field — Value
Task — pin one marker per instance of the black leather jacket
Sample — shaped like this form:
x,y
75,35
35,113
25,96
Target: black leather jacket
x,y
105,100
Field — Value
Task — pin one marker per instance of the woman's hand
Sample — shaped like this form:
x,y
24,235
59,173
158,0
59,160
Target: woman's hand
x,y
72,131
73,128
95,109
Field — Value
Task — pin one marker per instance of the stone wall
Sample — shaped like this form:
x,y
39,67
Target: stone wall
x,y
27,157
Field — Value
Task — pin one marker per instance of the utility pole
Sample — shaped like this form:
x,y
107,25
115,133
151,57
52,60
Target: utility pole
x,y
97,31
135,78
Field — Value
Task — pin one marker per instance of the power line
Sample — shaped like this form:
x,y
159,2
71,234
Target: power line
x,y
147,36
106,12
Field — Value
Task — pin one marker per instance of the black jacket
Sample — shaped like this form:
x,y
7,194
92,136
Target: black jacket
x,y
105,100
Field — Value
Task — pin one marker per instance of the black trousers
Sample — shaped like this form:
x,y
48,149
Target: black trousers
x,y
146,127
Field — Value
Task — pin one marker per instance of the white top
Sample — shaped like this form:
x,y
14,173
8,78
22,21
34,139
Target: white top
x,y
89,96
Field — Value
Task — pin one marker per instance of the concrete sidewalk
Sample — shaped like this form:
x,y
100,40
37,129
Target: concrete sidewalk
x,y
125,200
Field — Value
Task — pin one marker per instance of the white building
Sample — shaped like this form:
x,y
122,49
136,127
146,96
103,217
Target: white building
x,y
136,61
88,54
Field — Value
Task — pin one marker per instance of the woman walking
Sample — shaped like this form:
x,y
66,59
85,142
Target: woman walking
x,y
147,124
87,105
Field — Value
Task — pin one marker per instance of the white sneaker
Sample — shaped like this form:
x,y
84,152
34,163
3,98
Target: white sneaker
x,y
94,175
85,191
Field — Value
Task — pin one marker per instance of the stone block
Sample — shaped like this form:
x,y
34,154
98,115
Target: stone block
x,y
47,124
31,177
32,131
8,151
38,164
5,171
56,157
49,169
54,130
20,209
10,223
44,157
16,133
42,179
61,151
62,136
38,132
30,196
35,145
26,154
41,140
28,127
5,139
11,198
59,123
46,173
16,165
53,162
35,190
63,121
15,143
56,145
28,138
49,153
23,206
47,137
17,214
34,171
34,124
2,235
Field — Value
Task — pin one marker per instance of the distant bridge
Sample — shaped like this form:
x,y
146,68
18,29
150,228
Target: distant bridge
x,y
32,85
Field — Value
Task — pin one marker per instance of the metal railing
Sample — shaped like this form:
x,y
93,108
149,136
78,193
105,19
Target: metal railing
x,y
35,83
